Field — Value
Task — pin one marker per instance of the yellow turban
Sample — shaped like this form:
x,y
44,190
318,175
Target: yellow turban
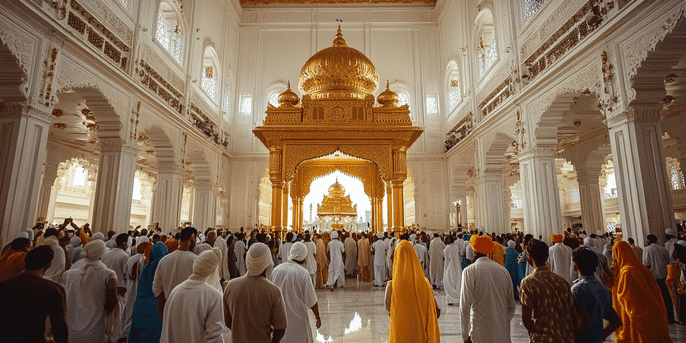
x,y
556,238
482,244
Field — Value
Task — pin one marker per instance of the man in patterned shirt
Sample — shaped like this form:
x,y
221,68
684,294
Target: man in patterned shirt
x,y
548,311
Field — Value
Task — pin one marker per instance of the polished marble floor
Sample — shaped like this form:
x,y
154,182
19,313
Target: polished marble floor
x,y
357,314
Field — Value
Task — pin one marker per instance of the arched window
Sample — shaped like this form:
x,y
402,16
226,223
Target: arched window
x,y
210,73
168,32
530,8
404,98
226,106
453,87
610,191
273,91
273,98
487,50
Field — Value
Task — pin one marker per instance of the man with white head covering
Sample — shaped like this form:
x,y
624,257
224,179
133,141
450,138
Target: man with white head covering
x,y
298,295
239,249
59,261
199,302
379,250
99,236
74,249
670,240
336,254
351,257
453,270
253,306
92,306
423,255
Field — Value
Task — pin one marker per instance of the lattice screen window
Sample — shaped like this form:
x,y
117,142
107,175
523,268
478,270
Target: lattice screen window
x,y
168,32
530,8
488,55
431,105
273,98
246,105
576,196
227,104
209,80
610,191
675,179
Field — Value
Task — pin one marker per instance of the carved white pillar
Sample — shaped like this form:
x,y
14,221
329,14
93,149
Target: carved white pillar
x,y
592,216
541,195
489,189
91,193
114,187
204,209
24,132
167,198
44,195
643,183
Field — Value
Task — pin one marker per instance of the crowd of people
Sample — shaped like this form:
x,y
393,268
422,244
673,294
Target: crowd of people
x,y
68,284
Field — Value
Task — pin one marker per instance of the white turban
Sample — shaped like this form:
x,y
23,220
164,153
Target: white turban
x,y
29,232
334,235
599,233
413,238
98,236
23,234
258,259
379,235
670,232
206,263
298,252
511,244
588,243
94,250
75,241
682,243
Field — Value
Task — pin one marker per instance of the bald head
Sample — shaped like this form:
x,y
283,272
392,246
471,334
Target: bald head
x,y
211,237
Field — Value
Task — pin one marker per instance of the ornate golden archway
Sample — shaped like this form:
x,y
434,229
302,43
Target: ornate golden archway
x,y
338,114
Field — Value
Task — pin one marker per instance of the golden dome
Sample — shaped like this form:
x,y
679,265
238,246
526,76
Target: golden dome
x,y
288,98
388,98
338,72
336,190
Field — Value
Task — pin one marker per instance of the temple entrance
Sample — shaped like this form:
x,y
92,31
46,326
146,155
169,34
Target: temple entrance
x,y
339,115
337,201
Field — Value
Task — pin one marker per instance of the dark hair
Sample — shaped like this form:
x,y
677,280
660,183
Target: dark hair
x,y
156,236
289,237
20,243
679,253
586,260
187,233
121,239
39,257
110,234
261,237
538,250
50,232
451,240
527,238
652,238
631,240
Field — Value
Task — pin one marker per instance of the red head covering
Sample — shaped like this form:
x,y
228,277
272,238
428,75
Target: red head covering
x,y
147,246
482,244
556,238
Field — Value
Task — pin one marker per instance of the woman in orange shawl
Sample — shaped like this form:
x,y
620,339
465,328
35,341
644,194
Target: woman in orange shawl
x,y
322,262
414,316
637,299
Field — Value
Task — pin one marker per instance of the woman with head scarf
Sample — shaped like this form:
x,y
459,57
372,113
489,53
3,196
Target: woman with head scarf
x,y
12,262
452,273
133,273
413,318
91,291
74,249
637,299
231,258
511,266
322,273
193,312
146,324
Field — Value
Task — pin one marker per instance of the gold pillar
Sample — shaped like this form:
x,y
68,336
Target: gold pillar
x,y
301,201
276,206
379,214
389,203
375,215
398,207
284,199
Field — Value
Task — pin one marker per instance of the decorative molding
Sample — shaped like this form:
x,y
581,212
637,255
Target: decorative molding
x,y
550,25
638,114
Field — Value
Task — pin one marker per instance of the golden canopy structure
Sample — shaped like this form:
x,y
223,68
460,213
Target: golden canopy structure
x,y
337,115
336,206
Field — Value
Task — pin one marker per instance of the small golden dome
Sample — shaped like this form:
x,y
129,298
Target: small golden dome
x,y
338,72
336,190
388,98
288,98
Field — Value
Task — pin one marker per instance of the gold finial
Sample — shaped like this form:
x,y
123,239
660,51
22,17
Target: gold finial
x,y
388,84
289,84
339,41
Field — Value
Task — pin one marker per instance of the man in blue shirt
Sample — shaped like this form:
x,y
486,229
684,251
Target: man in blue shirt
x,y
593,301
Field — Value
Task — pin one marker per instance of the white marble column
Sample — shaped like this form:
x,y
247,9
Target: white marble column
x,y
44,195
541,195
167,204
114,187
24,132
490,213
643,183
592,216
205,205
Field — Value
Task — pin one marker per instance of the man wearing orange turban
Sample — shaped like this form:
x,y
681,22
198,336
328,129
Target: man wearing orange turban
x,y
415,318
560,258
637,299
487,292
557,238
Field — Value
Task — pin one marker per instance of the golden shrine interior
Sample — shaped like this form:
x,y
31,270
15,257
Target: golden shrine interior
x,y
530,115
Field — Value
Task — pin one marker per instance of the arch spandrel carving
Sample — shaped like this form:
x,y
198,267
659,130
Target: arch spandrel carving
x,y
296,154
308,171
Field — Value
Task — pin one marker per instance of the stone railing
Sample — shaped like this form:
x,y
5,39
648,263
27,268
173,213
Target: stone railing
x,y
459,131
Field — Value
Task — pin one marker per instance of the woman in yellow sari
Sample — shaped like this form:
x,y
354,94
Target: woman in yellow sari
x,y
322,262
414,313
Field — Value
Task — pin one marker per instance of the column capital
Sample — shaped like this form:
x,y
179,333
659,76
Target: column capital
x,y
538,151
20,108
170,169
117,145
586,176
489,176
637,114
204,185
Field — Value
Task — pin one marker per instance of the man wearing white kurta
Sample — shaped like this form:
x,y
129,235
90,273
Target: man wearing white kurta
x,y
350,257
58,263
379,251
670,240
199,302
174,268
285,248
116,258
487,302
560,259
453,272
311,262
436,262
423,256
239,250
298,295
336,252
